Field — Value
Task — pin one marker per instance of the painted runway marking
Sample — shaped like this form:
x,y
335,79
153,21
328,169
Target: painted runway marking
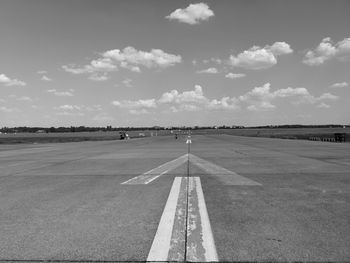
x,y
155,173
200,240
226,176
161,242
170,241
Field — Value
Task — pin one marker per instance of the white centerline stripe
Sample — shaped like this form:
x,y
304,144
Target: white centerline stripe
x,y
161,243
169,241
200,245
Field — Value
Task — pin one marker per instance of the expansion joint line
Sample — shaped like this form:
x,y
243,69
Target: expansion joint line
x,y
187,198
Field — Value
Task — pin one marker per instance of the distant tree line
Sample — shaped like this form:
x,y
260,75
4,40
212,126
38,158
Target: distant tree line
x,y
26,129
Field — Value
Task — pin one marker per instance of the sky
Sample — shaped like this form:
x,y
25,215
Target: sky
x,y
174,63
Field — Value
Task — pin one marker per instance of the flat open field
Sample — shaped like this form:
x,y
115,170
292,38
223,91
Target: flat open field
x,y
282,133
72,136
290,133
229,198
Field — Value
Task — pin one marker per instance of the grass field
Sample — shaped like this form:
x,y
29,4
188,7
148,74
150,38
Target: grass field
x,y
280,133
72,136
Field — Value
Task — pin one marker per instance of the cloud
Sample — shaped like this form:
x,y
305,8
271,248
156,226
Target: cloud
x,y
139,112
11,82
103,117
261,98
69,113
68,107
323,105
8,110
214,60
95,66
235,75
24,98
129,58
98,77
62,93
225,103
71,110
339,85
193,14
138,104
174,96
257,58
45,78
208,71
195,100
127,83
327,50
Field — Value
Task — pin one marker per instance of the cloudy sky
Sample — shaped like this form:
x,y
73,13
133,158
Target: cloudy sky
x,y
147,62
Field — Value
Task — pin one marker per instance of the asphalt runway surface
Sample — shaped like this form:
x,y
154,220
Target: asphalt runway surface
x,y
231,199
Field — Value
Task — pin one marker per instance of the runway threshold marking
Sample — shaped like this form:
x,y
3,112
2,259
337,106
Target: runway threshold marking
x,y
153,174
170,242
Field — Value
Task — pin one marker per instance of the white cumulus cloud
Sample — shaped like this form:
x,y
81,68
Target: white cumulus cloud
x,y
61,93
7,109
259,58
45,78
68,107
133,105
261,98
129,58
11,82
235,75
132,58
96,66
98,77
339,85
24,98
327,50
193,14
209,71
127,83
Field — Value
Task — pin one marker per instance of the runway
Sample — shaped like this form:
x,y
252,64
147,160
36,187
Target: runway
x,y
230,198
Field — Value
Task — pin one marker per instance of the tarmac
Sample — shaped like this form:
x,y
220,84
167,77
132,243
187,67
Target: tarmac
x,y
236,199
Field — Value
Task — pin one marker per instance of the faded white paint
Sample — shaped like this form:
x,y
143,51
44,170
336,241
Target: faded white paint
x,y
169,241
203,249
161,243
226,176
155,173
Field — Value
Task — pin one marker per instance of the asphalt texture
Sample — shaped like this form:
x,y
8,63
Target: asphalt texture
x,y
65,202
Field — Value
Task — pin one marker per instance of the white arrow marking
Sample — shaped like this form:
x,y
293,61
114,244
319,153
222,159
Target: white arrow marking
x,y
153,174
226,176
169,241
